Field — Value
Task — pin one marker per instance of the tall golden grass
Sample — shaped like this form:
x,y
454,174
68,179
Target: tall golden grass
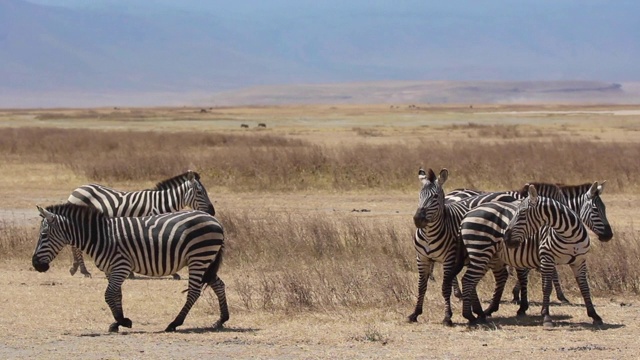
x,y
296,261
265,162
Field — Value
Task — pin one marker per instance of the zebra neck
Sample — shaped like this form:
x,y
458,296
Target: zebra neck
x,y
91,235
564,221
168,200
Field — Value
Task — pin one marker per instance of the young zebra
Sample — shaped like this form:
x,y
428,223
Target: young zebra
x,y
499,234
167,196
156,245
436,236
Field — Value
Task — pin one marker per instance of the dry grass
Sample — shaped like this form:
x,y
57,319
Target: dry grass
x,y
267,162
306,276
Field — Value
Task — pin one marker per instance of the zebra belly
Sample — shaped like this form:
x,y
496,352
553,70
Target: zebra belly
x,y
525,256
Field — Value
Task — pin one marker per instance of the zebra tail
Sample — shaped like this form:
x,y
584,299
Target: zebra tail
x,y
461,256
212,271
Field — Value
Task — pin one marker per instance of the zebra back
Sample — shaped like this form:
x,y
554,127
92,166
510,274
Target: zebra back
x,y
535,212
155,245
167,196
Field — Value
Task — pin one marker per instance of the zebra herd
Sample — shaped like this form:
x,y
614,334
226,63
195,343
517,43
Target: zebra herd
x,y
534,228
147,232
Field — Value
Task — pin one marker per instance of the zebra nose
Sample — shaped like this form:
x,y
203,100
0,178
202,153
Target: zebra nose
x,y
606,235
38,265
419,219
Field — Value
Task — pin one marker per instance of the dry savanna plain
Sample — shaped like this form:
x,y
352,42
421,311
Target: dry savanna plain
x,y
317,208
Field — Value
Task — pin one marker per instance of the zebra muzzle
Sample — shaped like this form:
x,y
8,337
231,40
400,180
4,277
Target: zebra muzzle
x,y
39,266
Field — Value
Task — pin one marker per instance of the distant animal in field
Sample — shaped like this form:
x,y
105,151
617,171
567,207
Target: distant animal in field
x,y
262,125
244,126
203,110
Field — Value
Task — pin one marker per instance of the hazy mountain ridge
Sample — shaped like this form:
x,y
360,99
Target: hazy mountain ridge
x,y
144,48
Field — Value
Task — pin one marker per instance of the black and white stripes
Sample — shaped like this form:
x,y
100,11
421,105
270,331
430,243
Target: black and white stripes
x,y
167,196
154,245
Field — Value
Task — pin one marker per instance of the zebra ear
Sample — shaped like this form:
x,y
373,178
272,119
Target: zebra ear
x,y
46,214
593,190
444,175
533,195
601,187
191,176
422,176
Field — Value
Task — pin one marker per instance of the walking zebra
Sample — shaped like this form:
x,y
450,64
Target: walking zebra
x,y
498,234
436,236
156,245
167,196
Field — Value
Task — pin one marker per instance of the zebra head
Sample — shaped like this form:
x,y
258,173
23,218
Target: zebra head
x,y
593,212
196,196
522,225
50,241
431,198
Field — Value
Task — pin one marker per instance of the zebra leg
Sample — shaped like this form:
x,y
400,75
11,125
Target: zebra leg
x,y
546,269
78,261
470,301
500,274
517,288
448,277
556,284
580,272
523,280
456,288
218,288
193,293
113,297
425,267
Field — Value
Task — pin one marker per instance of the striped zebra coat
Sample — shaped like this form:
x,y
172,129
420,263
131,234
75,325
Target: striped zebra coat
x,y
493,237
167,196
436,237
156,245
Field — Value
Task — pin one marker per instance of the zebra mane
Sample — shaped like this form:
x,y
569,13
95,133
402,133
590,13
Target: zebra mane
x,y
67,209
549,190
575,189
178,179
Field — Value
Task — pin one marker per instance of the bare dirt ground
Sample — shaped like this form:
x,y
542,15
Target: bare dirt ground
x,y
54,315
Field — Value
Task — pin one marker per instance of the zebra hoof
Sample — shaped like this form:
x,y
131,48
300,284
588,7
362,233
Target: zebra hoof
x,y
521,313
447,322
598,322
87,275
218,325
176,277
413,318
113,328
72,270
126,322
172,327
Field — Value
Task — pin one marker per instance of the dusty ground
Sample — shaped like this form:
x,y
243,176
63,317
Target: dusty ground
x,y
54,315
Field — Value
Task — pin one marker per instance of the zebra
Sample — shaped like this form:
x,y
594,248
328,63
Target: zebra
x,y
167,196
571,195
492,237
554,191
157,245
436,236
